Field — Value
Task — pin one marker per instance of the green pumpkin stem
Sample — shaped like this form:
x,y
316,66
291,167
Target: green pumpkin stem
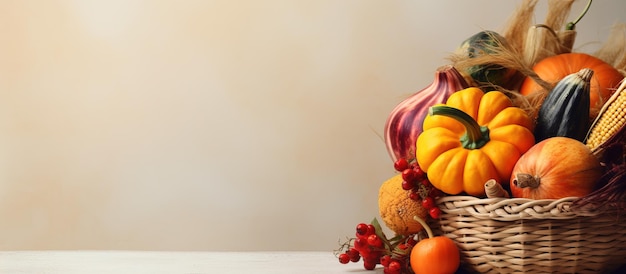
x,y
475,136
572,25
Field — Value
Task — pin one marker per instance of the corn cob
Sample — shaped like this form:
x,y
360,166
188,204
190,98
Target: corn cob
x,y
610,120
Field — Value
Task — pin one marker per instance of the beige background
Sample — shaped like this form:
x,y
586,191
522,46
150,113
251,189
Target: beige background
x,y
215,124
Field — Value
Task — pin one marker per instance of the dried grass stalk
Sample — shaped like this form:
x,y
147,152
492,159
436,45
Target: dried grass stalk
x,y
558,11
613,51
515,29
567,38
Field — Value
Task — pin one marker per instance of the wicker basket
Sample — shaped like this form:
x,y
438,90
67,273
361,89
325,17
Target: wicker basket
x,y
498,235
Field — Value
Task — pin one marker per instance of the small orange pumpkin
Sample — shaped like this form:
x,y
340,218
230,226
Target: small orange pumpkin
x,y
554,68
435,254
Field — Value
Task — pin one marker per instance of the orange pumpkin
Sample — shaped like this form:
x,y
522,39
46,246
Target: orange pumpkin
x,y
554,68
555,168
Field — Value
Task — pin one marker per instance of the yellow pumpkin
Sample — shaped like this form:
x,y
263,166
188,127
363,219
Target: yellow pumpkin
x,y
471,139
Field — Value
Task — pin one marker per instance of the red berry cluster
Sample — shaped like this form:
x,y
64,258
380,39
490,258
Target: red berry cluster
x,y
398,261
415,180
372,245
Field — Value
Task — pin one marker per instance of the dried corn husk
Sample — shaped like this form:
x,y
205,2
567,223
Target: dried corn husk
x,y
543,40
608,125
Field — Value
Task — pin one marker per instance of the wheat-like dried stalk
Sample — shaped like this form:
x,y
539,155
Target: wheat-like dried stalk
x,y
613,51
558,12
515,29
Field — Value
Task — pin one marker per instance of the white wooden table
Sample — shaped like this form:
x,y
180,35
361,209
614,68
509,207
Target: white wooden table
x,y
139,262
96,262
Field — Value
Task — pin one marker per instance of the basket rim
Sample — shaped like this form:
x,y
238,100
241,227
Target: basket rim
x,y
500,200
511,209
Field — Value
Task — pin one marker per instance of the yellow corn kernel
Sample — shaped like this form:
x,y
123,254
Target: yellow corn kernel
x,y
611,118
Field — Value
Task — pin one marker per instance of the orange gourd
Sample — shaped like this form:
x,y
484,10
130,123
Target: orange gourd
x,y
554,68
397,208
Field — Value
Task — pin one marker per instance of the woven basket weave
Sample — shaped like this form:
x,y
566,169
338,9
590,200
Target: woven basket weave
x,y
498,235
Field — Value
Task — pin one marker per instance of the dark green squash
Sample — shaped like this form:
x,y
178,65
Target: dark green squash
x,y
565,110
485,42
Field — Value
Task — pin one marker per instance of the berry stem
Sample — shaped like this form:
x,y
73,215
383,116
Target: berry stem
x,y
379,232
425,226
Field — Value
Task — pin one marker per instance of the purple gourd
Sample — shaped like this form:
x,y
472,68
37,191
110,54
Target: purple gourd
x,y
404,123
